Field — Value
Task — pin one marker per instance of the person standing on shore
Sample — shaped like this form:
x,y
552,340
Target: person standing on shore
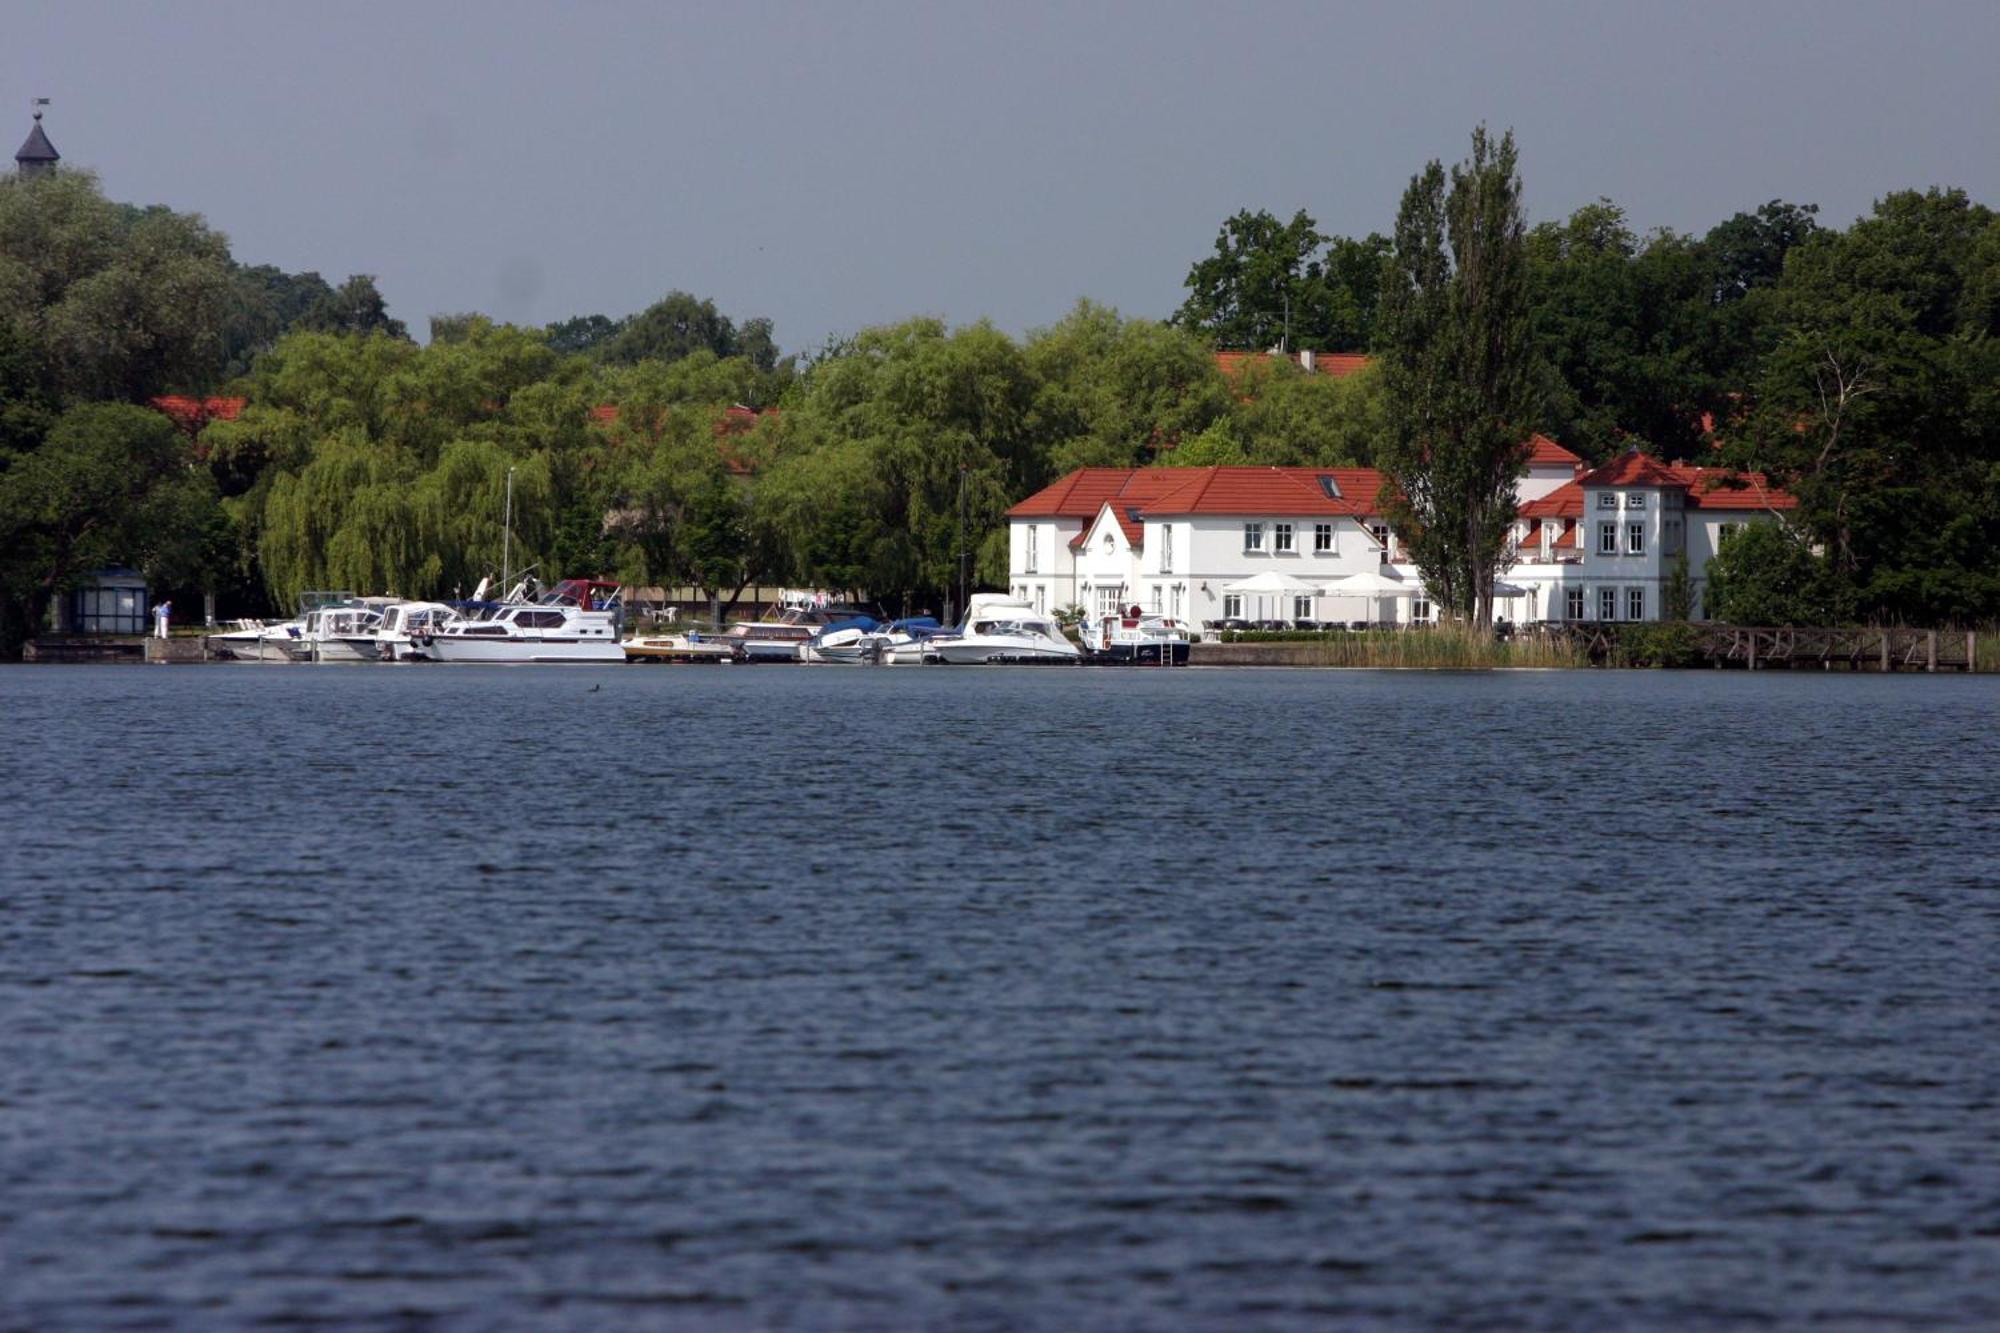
x,y
161,614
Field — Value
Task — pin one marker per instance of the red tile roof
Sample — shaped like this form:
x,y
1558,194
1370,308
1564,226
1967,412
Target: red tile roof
x,y
1565,501
1545,452
1568,539
191,414
1631,469
1276,491
1719,488
1338,365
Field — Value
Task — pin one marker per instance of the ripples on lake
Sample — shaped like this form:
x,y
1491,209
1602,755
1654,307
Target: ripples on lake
x,y
997,999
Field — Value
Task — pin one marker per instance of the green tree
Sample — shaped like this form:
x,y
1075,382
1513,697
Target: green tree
x,y
117,302
1270,283
1458,372
1113,392
1767,575
111,484
585,335
353,307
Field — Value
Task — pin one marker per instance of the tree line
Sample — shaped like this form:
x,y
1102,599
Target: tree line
x,y
1860,367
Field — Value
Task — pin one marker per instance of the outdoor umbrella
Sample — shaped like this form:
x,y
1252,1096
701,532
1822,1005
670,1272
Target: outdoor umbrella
x,y
1374,584
1274,583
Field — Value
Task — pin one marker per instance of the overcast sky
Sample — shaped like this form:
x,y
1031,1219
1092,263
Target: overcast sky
x,y
842,164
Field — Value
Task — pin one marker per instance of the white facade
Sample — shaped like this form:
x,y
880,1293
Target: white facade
x,y
1616,561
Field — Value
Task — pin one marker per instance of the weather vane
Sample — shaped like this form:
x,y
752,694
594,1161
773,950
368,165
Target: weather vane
x,y
39,103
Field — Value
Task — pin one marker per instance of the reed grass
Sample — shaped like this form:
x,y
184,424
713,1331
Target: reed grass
x,y
1986,647
1440,648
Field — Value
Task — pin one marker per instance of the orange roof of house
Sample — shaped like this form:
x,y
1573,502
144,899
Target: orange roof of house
x,y
1631,469
1720,488
1545,452
191,414
1134,493
1568,539
1565,501
1338,365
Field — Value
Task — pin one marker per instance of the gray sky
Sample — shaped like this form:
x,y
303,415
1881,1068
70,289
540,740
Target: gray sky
x,y
838,165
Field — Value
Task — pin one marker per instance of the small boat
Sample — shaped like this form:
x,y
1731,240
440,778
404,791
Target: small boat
x,y
1135,639
901,642
331,633
576,621
394,637
999,631
689,647
843,643
779,637
262,641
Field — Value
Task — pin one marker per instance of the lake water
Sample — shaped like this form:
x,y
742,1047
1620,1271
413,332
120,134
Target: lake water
x,y
997,999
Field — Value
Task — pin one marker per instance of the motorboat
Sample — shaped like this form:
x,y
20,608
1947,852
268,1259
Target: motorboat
x,y
779,637
331,633
255,641
576,621
269,641
840,644
901,642
394,637
1135,639
689,647
1001,631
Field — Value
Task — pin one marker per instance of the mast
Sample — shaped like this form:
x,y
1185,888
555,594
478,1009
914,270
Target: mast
x,y
507,537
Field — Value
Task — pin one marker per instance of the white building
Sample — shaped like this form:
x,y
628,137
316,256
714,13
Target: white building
x,y
1597,545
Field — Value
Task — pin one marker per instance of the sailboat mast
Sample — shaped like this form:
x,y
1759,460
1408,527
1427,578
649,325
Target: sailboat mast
x,y
507,538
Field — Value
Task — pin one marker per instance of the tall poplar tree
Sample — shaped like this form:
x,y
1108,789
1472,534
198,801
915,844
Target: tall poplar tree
x,y
1457,367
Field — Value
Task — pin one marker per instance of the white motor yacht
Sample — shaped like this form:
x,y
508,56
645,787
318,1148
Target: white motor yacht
x,y
1135,639
394,637
255,641
999,631
329,633
576,621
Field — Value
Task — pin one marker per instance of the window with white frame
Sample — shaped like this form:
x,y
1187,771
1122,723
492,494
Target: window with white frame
x,y
1281,536
1607,500
1670,536
1166,548
1111,600
1607,603
1635,539
1159,599
1573,604
1302,607
1253,536
1635,603
1380,532
1034,545
1420,609
1322,538
1232,606
1636,500
1607,539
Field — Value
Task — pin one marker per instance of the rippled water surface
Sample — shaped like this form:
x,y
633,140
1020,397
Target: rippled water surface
x,y
1009,999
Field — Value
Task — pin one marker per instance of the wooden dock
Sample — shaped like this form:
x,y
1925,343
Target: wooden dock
x,y
1768,648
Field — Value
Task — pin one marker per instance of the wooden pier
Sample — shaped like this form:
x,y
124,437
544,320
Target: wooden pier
x,y
1760,648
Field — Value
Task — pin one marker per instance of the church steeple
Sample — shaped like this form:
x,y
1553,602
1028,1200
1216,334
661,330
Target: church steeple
x,y
38,157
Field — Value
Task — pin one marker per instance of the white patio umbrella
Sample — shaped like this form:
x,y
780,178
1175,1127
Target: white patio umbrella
x,y
1374,584
1273,583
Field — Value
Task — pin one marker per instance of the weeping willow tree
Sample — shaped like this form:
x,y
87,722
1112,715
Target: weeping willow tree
x,y
344,520
460,508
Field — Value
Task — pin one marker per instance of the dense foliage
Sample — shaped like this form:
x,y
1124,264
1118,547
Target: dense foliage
x,y
679,447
